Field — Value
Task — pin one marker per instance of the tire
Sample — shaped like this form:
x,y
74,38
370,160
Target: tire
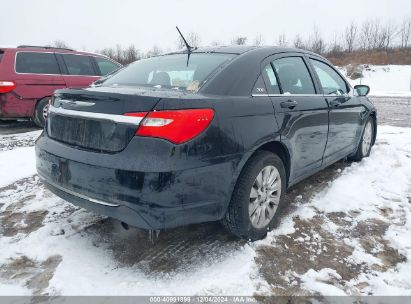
x,y
38,116
239,216
366,142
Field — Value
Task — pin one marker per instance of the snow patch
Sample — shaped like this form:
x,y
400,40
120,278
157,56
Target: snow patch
x,y
16,164
322,282
385,80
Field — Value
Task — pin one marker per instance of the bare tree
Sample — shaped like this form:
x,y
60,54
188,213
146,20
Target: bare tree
x,y
193,39
258,40
405,32
298,42
131,54
365,35
335,48
123,56
316,43
109,52
60,44
154,51
371,35
239,40
388,33
180,43
350,37
119,53
282,40
377,38
215,43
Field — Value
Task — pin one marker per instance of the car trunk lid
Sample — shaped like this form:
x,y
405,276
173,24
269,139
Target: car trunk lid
x,y
93,118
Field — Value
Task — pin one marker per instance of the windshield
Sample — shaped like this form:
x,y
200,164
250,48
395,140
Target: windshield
x,y
169,71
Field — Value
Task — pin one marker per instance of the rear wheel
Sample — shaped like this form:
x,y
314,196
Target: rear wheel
x,y
364,147
40,112
258,197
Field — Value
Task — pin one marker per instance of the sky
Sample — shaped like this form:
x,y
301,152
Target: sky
x,y
95,24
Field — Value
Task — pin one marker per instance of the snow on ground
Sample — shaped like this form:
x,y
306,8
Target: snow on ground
x,y
16,164
377,186
352,237
12,141
385,80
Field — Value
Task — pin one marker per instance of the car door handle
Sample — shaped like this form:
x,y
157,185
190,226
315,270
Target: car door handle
x,y
291,104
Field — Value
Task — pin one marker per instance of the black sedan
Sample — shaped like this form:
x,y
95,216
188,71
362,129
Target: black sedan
x,y
218,134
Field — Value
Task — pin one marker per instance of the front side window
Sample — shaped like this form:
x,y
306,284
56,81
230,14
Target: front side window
x,y
169,71
78,65
36,63
293,76
106,66
331,82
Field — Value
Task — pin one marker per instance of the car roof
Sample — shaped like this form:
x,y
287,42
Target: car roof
x,y
247,64
30,48
34,48
241,49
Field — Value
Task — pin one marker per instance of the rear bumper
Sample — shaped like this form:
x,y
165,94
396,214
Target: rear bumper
x,y
137,216
13,107
145,185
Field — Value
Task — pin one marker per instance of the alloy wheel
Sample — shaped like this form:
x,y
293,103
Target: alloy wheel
x,y
366,139
264,197
45,111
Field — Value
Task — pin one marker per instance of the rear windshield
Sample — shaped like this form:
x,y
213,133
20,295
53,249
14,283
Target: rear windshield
x,y
170,71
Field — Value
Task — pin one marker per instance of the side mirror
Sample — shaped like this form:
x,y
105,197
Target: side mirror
x,y
362,90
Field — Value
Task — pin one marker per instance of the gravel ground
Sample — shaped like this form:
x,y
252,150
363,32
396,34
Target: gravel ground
x,y
394,111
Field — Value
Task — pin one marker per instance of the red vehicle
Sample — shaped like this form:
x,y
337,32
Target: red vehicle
x,y
30,74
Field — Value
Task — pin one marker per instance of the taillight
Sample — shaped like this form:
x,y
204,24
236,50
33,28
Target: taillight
x,y
7,86
177,126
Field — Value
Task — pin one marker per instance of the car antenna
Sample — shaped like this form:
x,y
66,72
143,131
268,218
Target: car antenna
x,y
189,47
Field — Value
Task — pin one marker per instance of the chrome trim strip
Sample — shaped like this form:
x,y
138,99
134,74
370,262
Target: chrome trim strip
x,y
95,76
284,95
77,102
99,116
78,194
260,95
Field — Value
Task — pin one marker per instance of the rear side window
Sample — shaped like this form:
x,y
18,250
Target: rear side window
x,y
105,66
273,87
36,63
78,65
1,54
331,82
259,87
293,76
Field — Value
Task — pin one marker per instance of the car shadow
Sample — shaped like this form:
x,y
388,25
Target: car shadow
x,y
8,127
186,248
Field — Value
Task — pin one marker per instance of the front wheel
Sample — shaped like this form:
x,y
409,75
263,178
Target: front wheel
x,y
258,197
364,147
